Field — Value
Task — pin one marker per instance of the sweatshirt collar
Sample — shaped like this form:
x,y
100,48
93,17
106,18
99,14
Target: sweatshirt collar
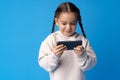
x,y
66,36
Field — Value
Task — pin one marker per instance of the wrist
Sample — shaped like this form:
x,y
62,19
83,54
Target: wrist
x,y
82,54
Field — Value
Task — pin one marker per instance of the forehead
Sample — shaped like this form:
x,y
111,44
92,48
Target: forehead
x,y
67,16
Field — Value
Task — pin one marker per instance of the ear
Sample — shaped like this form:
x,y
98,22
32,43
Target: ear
x,y
56,21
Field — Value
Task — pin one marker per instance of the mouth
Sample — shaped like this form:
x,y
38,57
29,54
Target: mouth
x,y
69,31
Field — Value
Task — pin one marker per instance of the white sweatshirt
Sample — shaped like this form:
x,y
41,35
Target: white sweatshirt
x,y
69,66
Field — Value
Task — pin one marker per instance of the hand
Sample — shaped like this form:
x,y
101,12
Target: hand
x,y
59,49
79,50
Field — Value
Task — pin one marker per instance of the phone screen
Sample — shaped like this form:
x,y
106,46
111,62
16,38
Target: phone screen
x,y
70,44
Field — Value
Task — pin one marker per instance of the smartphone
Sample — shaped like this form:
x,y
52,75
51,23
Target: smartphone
x,y
70,44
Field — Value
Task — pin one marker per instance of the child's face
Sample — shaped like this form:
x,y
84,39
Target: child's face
x,y
67,22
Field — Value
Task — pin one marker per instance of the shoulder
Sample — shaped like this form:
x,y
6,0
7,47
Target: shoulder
x,y
51,35
50,38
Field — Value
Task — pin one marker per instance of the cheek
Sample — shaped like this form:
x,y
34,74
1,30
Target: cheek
x,y
73,27
61,27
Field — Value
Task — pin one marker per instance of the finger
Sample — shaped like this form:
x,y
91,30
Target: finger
x,y
79,48
54,45
61,50
76,48
58,46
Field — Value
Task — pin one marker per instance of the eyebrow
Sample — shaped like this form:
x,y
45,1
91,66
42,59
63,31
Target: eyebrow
x,y
66,21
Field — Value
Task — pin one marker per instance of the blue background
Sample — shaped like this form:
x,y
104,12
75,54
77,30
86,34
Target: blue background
x,y
25,23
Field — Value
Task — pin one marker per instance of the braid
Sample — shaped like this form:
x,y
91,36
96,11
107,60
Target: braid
x,y
53,26
81,26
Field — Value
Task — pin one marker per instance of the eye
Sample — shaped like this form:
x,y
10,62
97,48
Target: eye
x,y
64,23
74,23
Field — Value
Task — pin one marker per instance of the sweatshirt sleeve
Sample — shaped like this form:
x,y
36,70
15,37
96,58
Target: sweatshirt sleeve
x,y
88,59
47,59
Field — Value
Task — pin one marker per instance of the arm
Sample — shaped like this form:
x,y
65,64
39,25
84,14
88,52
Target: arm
x,y
88,58
47,59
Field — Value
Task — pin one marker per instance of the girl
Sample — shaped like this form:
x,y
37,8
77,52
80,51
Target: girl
x,y
61,63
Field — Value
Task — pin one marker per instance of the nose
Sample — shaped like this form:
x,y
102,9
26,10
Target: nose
x,y
68,26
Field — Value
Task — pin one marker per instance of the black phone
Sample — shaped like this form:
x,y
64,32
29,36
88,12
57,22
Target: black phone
x,y
70,44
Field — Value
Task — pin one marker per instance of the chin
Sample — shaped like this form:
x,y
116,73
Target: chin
x,y
68,35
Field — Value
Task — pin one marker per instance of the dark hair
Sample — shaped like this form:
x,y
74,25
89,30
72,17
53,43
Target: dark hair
x,y
68,7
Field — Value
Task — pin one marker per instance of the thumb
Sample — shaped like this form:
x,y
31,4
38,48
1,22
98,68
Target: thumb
x,y
54,45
